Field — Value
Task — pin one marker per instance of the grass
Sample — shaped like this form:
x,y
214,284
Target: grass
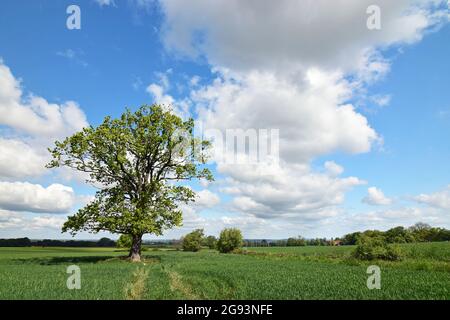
x,y
256,273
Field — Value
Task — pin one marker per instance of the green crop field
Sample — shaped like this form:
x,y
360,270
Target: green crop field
x,y
255,273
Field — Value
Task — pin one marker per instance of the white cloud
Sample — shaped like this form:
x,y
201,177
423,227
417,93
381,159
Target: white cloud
x,y
333,168
83,200
160,96
102,3
158,93
376,197
46,222
439,199
312,116
18,159
194,81
392,217
33,124
206,199
19,221
10,219
292,66
286,191
34,115
24,196
288,34
381,100
312,119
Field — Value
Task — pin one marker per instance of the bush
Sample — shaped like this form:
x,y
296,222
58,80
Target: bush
x,y
229,240
371,248
210,242
193,241
124,241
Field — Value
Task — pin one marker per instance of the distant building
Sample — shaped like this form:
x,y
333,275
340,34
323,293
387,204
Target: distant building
x,y
336,242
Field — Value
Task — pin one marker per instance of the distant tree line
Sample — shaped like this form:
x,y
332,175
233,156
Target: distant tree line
x,y
290,242
26,242
420,232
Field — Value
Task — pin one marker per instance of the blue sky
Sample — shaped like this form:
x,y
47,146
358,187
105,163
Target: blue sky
x,y
364,115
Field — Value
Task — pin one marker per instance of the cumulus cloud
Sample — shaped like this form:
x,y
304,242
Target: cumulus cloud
x,y
313,120
312,117
206,199
288,191
33,124
34,115
292,66
158,93
158,90
288,34
376,197
19,159
19,221
24,196
439,199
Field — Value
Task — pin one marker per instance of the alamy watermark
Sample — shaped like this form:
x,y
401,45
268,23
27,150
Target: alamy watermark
x,y
73,21
374,19
374,280
241,146
74,280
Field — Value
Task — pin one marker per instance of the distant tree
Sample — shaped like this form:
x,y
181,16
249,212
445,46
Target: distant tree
x,y
139,160
193,241
106,242
351,238
229,240
296,242
421,231
399,235
210,242
291,242
437,234
419,226
373,233
125,241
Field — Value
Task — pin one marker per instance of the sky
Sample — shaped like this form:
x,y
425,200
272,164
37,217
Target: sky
x,y
361,107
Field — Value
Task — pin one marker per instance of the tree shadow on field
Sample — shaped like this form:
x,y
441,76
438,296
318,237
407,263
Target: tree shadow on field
x,y
64,260
48,261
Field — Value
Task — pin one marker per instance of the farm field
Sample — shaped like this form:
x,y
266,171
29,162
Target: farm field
x,y
255,273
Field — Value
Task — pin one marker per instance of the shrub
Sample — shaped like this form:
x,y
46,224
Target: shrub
x,y
229,240
193,241
124,241
210,242
371,248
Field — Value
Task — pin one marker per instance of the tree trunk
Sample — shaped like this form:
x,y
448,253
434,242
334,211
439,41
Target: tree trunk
x,y
135,251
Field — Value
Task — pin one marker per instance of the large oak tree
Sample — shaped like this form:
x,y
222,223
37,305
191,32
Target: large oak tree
x,y
138,162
